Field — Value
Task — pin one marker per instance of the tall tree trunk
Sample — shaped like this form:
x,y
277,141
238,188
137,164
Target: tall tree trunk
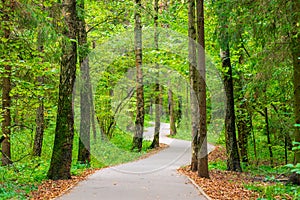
x,y
243,120
85,96
39,135
171,112
62,151
295,49
193,71
155,142
179,112
202,135
139,122
268,136
6,123
233,161
244,126
38,139
6,89
93,112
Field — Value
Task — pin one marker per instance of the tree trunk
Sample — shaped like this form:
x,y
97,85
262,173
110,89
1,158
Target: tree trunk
x,y
254,141
268,136
85,96
179,112
39,135
295,49
139,122
233,160
192,71
93,112
6,123
244,126
158,98
171,113
62,151
202,137
38,140
243,120
6,89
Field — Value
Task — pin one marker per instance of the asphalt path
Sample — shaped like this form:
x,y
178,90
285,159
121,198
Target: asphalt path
x,y
152,178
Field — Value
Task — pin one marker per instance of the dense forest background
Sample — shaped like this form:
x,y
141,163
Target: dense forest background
x,y
81,79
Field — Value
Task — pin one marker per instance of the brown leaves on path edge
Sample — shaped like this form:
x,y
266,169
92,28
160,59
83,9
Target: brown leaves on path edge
x,y
222,185
50,189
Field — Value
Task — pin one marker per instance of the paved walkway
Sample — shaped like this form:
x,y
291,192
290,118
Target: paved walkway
x,y
153,178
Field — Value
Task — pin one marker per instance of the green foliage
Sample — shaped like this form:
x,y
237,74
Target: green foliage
x,y
148,119
295,168
259,40
265,170
19,179
115,150
276,191
219,165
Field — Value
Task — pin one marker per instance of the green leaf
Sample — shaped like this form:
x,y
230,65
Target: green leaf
x,y
289,165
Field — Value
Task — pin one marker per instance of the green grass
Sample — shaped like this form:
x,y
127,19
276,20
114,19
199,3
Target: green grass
x,y
276,191
265,170
220,165
115,151
19,179
184,132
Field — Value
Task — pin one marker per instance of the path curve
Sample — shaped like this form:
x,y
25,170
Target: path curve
x,y
152,178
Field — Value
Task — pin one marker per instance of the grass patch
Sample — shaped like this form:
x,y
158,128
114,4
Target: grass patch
x,y
272,191
220,165
276,191
265,170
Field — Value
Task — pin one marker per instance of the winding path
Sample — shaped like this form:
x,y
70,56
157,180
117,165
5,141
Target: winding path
x,y
152,178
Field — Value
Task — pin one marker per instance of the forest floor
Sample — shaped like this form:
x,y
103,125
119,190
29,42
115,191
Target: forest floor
x,y
225,185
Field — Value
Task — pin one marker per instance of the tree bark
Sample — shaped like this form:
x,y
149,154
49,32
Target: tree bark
x,y
39,135
268,136
158,98
93,112
233,161
172,113
202,133
244,126
6,123
6,89
243,120
139,122
179,112
62,151
85,96
295,49
192,71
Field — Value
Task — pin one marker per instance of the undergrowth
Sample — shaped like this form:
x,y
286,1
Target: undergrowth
x,y
22,177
